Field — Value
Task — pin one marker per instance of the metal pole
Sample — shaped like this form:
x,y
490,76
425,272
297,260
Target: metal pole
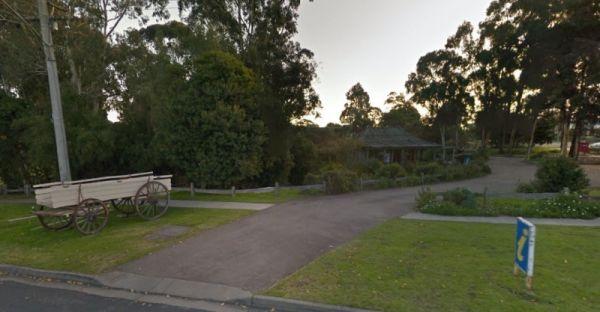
x,y
55,99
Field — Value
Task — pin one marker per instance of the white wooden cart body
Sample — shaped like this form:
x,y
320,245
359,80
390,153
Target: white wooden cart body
x,y
84,203
58,194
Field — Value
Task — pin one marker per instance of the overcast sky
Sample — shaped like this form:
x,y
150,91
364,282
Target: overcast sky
x,y
374,42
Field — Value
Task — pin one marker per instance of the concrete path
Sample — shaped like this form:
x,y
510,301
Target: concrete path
x,y
502,220
255,252
218,205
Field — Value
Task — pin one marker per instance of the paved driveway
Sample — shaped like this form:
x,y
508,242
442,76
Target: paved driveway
x,y
255,252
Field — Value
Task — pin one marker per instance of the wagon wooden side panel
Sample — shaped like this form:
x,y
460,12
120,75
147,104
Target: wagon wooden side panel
x,y
84,203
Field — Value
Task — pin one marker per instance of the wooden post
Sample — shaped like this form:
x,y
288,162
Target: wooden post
x,y
233,191
277,188
529,282
192,190
26,190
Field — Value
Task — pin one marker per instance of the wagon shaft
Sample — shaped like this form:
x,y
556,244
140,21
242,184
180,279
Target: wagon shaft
x,y
58,212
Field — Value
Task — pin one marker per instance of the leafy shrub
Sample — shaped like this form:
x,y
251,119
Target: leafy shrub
x,y
527,187
409,167
386,183
431,168
367,168
313,178
558,173
482,154
372,166
561,206
568,206
455,172
340,181
424,198
411,181
460,196
391,171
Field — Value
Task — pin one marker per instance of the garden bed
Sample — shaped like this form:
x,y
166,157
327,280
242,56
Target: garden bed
x,y
462,202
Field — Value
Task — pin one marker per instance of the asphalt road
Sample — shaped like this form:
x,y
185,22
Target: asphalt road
x,y
17,297
255,252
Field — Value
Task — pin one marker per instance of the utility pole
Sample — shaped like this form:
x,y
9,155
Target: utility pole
x,y
55,99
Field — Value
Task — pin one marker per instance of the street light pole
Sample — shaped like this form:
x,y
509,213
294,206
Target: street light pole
x,y
55,99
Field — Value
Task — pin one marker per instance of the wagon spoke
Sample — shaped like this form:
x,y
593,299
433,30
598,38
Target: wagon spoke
x,y
149,200
91,216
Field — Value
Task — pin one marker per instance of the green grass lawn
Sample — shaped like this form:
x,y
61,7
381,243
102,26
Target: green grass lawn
x,y
447,266
271,197
15,196
26,243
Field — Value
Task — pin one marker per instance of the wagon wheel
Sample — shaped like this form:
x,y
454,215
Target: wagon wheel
x,y
124,205
90,216
55,223
152,200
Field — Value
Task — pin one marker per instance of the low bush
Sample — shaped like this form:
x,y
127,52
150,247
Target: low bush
x,y
558,173
430,168
313,178
369,167
391,171
340,181
482,154
527,187
386,183
425,197
460,196
461,202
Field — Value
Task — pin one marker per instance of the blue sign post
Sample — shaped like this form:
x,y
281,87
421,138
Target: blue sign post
x,y
524,250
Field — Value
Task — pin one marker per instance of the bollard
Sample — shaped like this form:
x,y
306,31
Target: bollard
x,y
233,191
192,190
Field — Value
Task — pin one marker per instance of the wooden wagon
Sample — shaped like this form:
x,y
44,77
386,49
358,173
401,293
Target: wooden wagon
x,y
85,203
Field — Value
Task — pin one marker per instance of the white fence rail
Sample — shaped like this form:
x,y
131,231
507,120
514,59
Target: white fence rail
x,y
234,191
26,189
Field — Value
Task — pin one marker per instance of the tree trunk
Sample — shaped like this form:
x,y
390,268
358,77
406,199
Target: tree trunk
x,y
455,143
573,151
443,134
482,137
532,137
502,139
511,140
75,80
564,132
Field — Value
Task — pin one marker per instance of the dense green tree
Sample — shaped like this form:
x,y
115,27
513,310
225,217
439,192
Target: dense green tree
x,y
211,131
403,114
439,84
358,112
262,34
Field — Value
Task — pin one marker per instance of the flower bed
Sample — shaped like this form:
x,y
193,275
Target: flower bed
x,y
471,204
